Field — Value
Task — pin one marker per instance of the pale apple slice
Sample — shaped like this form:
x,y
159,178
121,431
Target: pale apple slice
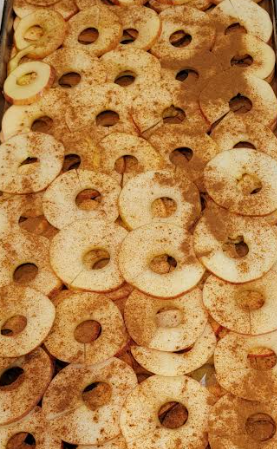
x,y
180,362
16,58
28,82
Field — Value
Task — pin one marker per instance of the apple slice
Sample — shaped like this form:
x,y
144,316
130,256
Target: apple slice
x,y
262,358
27,83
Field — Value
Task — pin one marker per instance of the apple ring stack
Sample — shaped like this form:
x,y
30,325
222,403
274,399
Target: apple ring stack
x,y
138,241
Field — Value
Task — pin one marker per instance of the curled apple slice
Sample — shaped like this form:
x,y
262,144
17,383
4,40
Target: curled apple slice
x,y
27,83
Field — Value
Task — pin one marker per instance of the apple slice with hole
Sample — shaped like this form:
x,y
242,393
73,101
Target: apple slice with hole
x,y
27,83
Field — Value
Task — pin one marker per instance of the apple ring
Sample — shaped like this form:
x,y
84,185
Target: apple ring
x,y
33,374
102,19
235,423
234,132
23,119
162,103
68,415
230,85
235,248
245,309
142,66
170,139
90,106
190,22
173,326
118,146
19,176
137,210
70,60
18,250
66,8
37,313
54,29
147,431
236,48
243,380
249,15
174,364
233,177
59,201
151,241
33,424
73,242
192,74
80,308
144,21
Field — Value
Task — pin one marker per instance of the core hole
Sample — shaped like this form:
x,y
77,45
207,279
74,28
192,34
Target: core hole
x,y
129,35
71,162
126,164
249,184
236,248
163,264
250,300
262,358
163,207
42,124
173,115
88,36
88,199
87,332
240,104
260,427
181,156
25,273
180,39
182,75
244,145
12,377
97,394
66,445
14,325
69,80
173,415
26,79
33,33
21,440
242,60
169,317
29,160
107,118
235,28
125,78
96,259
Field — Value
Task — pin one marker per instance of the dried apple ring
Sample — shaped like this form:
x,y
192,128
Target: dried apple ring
x,y
155,240
133,66
29,162
237,133
141,27
28,82
254,19
176,364
70,251
235,423
66,8
185,32
54,29
248,52
23,382
26,318
166,326
108,30
185,150
245,309
147,431
70,407
122,156
24,259
235,248
72,65
59,201
88,329
137,210
239,93
253,359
